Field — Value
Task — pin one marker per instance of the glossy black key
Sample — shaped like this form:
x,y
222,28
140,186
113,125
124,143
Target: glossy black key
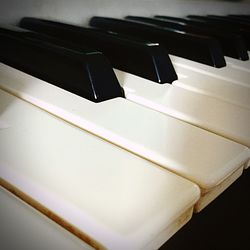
x,y
87,74
230,20
145,59
242,18
221,21
225,25
194,47
232,45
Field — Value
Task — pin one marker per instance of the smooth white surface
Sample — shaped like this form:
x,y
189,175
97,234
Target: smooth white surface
x,y
212,86
228,73
238,64
23,227
220,117
117,198
201,156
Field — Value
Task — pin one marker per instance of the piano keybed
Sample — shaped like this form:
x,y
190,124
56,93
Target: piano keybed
x,y
128,171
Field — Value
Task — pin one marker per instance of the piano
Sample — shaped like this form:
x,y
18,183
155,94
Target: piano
x,y
221,224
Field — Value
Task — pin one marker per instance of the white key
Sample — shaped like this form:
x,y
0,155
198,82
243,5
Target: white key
x,y
212,86
231,74
23,227
238,64
106,195
212,114
152,135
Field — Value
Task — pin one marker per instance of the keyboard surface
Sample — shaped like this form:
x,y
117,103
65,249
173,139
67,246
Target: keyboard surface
x,y
78,177
220,225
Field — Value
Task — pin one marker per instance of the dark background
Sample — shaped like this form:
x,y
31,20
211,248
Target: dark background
x,y
223,224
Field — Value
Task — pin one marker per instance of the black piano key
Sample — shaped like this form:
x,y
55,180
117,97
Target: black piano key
x,y
232,45
194,47
230,20
244,19
220,21
138,57
222,25
87,74
240,17
218,26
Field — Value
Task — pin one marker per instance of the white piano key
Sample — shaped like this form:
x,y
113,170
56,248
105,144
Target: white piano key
x,y
214,87
226,73
112,198
23,227
206,159
226,119
241,65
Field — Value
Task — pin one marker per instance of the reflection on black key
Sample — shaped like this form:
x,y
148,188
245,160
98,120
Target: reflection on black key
x,y
141,58
232,45
179,20
87,74
194,47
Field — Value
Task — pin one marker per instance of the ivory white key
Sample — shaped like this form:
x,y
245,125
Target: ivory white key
x,y
212,86
241,65
226,119
23,227
226,73
104,194
203,157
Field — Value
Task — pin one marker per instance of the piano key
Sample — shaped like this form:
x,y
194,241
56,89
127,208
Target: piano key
x,y
223,25
79,35
156,63
61,66
240,17
221,21
212,25
159,146
161,139
245,66
220,117
234,127
229,19
195,47
232,45
212,86
229,73
150,203
22,227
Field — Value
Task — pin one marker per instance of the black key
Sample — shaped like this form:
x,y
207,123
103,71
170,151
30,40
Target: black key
x,y
225,25
242,18
229,20
221,21
232,45
87,74
194,47
202,23
138,57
